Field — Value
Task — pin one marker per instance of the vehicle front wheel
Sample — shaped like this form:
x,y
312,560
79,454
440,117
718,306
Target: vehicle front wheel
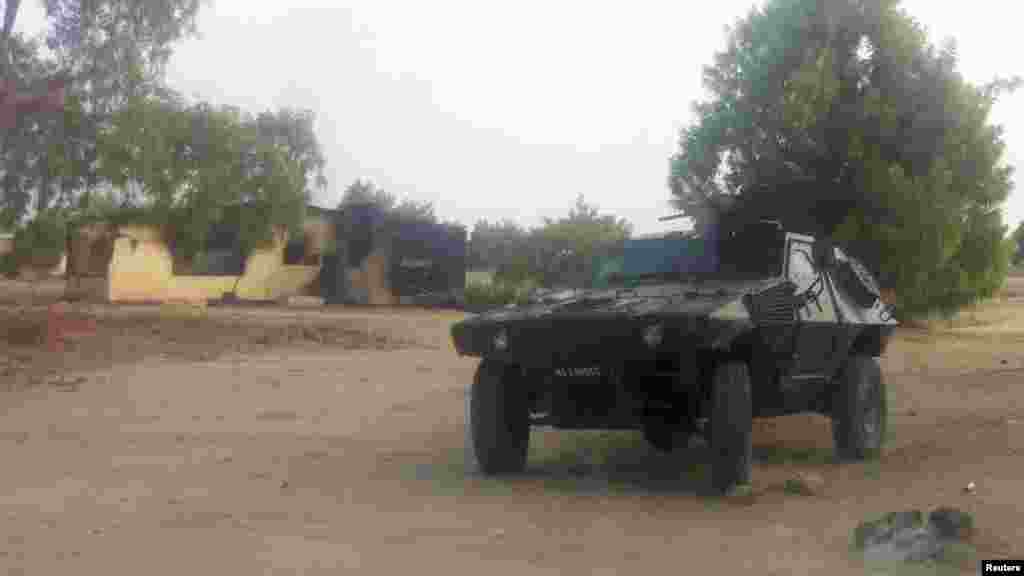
x,y
731,426
499,419
859,410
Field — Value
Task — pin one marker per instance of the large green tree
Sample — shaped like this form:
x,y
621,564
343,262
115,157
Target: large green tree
x,y
503,246
840,118
362,191
568,247
188,166
561,251
106,52
1017,245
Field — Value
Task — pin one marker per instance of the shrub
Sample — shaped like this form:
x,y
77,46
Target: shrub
x,y
490,295
38,244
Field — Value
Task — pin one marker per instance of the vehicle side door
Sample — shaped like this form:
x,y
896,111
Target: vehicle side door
x,y
816,330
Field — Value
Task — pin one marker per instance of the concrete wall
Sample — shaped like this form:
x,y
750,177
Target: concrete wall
x,y
369,282
480,277
141,270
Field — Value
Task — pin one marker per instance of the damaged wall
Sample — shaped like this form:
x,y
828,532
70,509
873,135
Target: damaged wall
x,y
140,269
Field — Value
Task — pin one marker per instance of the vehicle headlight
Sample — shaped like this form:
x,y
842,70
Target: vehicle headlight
x,y
501,340
653,335
734,310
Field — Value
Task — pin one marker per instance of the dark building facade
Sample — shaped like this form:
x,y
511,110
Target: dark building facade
x,y
380,258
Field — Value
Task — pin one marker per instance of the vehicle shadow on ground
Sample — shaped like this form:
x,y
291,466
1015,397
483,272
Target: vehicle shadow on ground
x,y
607,463
599,462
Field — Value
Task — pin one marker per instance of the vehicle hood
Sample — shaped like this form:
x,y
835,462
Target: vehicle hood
x,y
670,298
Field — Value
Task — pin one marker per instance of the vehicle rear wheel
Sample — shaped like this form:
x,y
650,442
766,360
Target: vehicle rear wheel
x,y
499,420
731,426
859,410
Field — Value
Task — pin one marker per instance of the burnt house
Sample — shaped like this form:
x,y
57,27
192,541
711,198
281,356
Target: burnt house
x,y
382,258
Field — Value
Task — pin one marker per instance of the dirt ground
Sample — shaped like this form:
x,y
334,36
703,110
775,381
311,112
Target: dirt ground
x,y
274,441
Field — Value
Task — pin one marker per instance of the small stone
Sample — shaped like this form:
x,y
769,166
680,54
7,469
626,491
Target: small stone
x,y
498,533
1003,362
971,486
951,523
284,484
874,532
912,413
805,484
310,333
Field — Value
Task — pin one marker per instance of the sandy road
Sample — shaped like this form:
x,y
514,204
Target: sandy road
x,y
299,460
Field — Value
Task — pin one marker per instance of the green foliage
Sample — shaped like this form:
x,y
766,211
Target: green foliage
x,y
1017,245
839,118
569,246
560,251
110,52
366,192
489,295
190,167
119,48
482,296
40,243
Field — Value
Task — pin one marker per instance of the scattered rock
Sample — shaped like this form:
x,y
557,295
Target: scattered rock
x,y
971,486
906,537
303,301
951,523
68,383
805,484
284,485
497,533
1003,362
876,531
310,333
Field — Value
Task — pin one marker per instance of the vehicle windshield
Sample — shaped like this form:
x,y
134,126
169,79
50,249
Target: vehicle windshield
x,y
748,252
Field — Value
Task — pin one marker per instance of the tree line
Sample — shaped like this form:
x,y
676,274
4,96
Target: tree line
x,y
840,118
558,251
126,147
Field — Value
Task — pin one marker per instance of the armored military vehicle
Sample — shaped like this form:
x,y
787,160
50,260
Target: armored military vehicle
x,y
690,336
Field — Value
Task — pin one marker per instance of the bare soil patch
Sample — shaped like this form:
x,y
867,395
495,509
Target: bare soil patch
x,y
237,443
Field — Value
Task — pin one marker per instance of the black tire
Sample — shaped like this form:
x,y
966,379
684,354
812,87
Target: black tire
x,y
499,418
859,410
731,426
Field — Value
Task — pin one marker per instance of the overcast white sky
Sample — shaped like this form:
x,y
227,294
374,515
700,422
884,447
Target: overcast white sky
x,y
510,110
